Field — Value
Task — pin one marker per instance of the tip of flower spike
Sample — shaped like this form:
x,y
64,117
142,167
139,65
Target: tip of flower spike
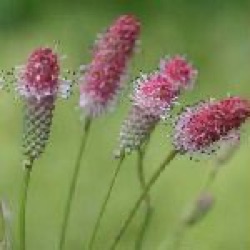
x,y
202,128
39,77
155,93
127,26
122,35
180,70
127,18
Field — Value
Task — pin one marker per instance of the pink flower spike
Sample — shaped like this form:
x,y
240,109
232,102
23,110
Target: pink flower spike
x,y
201,128
40,76
153,97
155,94
180,71
103,79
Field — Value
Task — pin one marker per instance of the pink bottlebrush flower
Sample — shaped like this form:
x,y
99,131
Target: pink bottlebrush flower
x,y
38,81
153,97
202,127
155,94
40,76
179,70
103,78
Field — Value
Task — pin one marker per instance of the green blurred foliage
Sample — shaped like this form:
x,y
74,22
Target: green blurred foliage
x,y
216,37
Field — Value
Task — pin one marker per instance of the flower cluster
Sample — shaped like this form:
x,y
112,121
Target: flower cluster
x,y
40,76
180,71
155,94
38,82
104,76
202,127
153,97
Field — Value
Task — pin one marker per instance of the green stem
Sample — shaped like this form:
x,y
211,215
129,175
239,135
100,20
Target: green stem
x,y
178,237
23,203
148,212
104,204
141,198
73,183
141,175
210,179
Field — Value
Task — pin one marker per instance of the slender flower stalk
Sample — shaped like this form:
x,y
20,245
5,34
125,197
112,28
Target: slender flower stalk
x,y
147,200
180,71
5,226
73,183
105,202
141,198
23,202
140,170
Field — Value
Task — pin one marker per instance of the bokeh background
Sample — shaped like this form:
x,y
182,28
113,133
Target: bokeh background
x,y
215,35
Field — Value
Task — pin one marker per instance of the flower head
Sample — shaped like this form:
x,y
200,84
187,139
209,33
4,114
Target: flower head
x,y
120,36
202,127
39,82
179,70
40,76
103,78
155,94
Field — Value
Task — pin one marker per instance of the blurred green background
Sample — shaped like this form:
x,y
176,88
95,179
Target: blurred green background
x,y
216,37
